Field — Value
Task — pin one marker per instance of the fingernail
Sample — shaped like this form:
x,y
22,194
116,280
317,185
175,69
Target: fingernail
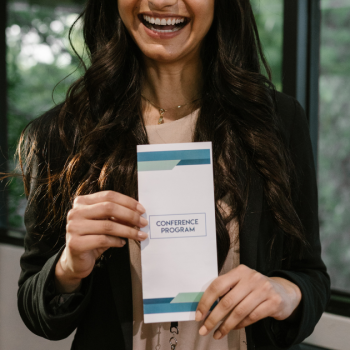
x,y
143,221
123,242
140,208
203,330
217,335
198,316
142,235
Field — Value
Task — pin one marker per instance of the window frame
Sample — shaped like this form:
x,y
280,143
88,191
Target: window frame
x,y
301,59
3,118
300,79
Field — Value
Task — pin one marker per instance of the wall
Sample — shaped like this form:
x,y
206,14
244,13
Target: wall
x,y
13,333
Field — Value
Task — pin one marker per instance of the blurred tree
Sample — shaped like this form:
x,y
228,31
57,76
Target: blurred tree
x,y
38,58
269,18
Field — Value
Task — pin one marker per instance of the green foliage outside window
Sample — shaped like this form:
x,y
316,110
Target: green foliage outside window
x,y
38,58
269,18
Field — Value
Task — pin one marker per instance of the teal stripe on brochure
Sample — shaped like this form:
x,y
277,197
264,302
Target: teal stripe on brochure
x,y
173,155
166,305
168,308
157,165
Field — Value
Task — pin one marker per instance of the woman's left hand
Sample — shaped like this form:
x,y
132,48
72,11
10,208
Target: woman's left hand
x,y
247,297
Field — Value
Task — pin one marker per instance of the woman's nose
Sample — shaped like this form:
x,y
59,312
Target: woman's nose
x,y
161,4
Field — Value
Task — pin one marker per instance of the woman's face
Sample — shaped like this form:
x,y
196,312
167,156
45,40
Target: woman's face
x,y
167,30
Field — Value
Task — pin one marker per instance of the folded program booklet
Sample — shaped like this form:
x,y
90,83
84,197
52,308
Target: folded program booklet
x,y
179,258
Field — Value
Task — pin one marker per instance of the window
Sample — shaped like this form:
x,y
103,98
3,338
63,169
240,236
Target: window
x,y
334,141
269,19
38,57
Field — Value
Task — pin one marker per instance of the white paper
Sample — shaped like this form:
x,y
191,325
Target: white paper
x,y
179,258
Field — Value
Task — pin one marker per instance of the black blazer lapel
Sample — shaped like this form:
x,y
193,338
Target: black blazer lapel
x,y
249,233
250,229
120,279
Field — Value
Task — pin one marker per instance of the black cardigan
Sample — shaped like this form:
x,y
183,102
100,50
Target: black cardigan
x,y
102,311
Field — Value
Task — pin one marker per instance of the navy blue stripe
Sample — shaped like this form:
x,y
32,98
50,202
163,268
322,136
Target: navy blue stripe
x,y
157,301
173,155
194,161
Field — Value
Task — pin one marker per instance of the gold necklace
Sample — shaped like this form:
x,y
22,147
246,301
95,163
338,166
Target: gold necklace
x,y
163,110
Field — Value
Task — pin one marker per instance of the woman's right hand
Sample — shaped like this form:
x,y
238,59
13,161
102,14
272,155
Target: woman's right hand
x,y
96,222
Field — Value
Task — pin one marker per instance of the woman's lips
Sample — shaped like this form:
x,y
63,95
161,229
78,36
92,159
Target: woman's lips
x,y
161,35
163,28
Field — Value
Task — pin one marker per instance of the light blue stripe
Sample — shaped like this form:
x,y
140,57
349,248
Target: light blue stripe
x,y
173,155
157,165
187,298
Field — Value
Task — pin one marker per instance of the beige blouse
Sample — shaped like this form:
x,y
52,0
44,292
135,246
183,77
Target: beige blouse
x,y
155,336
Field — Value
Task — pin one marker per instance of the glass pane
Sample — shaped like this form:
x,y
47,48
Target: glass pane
x,y
269,18
38,57
334,141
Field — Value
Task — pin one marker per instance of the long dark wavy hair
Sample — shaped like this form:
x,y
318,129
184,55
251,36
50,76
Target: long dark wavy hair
x,y
88,143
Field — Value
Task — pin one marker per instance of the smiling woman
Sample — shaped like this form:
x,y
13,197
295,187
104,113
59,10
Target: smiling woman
x,y
194,67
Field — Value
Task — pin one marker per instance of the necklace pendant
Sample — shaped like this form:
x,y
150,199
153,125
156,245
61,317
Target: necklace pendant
x,y
161,113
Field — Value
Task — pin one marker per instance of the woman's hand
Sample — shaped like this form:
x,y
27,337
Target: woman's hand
x,y
247,297
95,223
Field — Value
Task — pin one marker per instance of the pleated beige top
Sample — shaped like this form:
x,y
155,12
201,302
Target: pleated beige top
x,y
155,336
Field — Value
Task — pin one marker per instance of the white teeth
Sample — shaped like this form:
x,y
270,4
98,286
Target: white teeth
x,y
175,29
163,21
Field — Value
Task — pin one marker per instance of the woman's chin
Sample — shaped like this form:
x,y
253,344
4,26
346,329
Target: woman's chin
x,y
164,47
162,57
164,54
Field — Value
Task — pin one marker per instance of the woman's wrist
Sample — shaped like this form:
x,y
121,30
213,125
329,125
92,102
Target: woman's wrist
x,y
64,282
295,295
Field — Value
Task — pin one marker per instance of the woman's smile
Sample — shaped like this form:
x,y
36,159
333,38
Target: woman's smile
x,y
159,26
167,30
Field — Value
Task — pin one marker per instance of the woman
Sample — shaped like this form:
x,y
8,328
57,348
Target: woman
x,y
81,265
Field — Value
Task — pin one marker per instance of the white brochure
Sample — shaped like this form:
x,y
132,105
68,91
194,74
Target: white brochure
x,y
179,258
